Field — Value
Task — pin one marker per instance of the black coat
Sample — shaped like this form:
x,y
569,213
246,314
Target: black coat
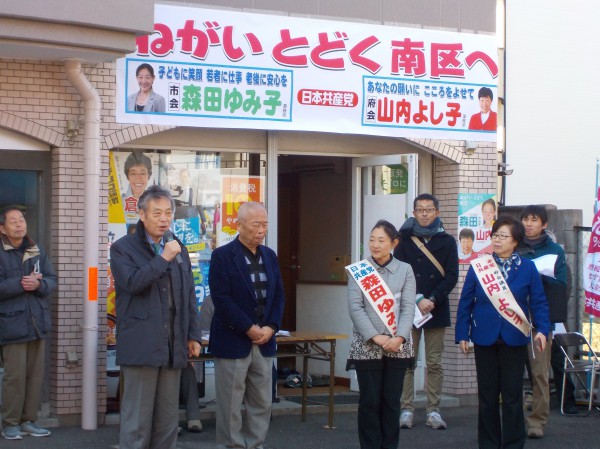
x,y
141,282
24,316
430,282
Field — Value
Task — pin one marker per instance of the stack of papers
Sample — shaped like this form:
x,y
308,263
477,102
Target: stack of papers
x,y
421,319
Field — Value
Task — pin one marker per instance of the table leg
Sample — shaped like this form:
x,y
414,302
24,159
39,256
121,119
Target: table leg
x,y
304,381
331,385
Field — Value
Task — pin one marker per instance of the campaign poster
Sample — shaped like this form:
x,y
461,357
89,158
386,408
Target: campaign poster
x,y
232,69
476,214
236,190
130,174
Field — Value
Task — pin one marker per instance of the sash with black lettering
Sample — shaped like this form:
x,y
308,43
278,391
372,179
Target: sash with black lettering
x,y
377,291
496,289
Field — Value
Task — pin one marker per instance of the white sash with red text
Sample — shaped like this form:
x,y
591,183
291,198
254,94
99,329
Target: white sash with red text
x,y
495,287
377,292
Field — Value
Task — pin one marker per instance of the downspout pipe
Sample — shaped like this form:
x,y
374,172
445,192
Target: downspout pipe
x,y
501,132
91,239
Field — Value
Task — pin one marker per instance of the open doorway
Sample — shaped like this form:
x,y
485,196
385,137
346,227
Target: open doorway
x,y
314,223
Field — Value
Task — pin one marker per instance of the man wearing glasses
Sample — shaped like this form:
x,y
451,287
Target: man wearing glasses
x,y
433,255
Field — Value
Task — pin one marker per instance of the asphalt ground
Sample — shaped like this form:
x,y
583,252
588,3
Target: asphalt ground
x,y
287,431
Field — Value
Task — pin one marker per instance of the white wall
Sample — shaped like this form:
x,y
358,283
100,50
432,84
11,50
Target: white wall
x,y
552,102
324,308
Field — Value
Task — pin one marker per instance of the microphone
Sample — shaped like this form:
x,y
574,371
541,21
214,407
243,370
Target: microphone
x,y
168,236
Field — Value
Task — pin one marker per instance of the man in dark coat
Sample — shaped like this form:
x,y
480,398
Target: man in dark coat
x,y
157,323
27,280
422,232
247,292
537,246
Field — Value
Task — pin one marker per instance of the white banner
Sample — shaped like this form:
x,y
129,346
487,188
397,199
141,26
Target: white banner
x,y
229,69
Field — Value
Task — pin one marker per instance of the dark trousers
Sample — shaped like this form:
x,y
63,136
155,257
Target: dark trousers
x,y
188,393
500,371
379,405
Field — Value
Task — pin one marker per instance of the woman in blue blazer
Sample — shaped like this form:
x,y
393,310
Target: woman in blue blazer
x,y
500,348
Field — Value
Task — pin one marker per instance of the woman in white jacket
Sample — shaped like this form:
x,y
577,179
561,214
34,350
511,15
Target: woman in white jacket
x,y
380,356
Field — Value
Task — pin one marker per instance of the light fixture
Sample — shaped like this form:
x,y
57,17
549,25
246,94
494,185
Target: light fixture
x,y
470,147
503,170
72,130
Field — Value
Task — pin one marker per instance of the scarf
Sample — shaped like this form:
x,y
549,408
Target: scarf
x,y
533,243
411,226
505,265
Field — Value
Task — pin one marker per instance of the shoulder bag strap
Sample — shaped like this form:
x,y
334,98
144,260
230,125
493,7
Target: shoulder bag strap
x,y
430,256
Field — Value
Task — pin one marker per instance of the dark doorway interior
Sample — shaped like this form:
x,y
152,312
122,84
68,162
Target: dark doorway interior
x,y
287,243
313,224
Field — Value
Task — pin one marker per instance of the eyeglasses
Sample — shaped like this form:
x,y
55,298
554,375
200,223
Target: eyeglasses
x,y
429,210
500,236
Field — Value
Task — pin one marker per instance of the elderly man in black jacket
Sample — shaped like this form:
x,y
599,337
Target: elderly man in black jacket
x,y
433,255
157,323
27,280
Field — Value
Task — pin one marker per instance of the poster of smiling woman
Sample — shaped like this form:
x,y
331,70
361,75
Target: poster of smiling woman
x,y
476,215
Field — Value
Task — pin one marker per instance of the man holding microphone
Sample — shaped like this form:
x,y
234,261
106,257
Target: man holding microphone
x,y
157,323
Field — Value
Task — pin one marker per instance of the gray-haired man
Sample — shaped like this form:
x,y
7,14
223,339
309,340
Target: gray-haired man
x,y
157,323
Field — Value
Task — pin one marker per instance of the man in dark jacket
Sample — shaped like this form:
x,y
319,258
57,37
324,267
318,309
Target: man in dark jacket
x,y
419,236
27,280
157,323
247,292
551,262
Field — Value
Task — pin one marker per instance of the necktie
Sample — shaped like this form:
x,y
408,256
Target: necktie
x,y
156,247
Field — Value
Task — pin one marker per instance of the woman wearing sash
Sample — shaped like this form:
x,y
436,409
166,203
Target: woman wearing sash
x,y
381,295
500,293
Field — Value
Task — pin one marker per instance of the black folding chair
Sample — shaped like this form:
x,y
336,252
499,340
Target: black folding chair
x,y
576,344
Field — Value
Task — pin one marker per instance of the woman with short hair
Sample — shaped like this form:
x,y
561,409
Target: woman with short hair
x,y
501,291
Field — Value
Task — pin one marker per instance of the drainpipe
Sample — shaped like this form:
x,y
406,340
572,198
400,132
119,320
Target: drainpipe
x,y
91,239
501,132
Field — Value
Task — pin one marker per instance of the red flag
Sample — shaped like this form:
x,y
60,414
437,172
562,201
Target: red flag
x,y
591,271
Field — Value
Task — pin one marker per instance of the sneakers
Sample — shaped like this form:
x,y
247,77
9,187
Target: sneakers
x,y
31,428
406,419
435,421
535,433
195,426
12,433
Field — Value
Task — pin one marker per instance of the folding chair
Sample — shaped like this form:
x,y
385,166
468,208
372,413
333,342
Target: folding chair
x,y
590,366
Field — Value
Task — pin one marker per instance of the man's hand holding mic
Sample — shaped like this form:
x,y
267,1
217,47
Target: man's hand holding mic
x,y
172,248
